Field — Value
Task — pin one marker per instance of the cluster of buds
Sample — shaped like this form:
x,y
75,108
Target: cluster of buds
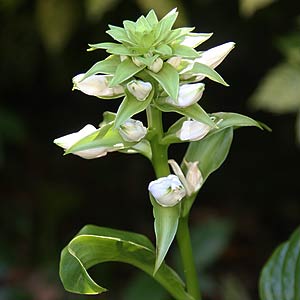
x,y
149,64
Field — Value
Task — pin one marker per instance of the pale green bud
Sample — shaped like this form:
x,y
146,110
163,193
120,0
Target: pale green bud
x,y
157,65
139,89
97,85
189,94
69,140
193,131
132,130
174,61
167,191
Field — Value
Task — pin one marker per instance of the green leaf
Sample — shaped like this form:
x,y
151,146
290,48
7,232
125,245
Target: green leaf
x,y
279,278
113,48
106,66
94,245
168,78
119,34
210,152
184,51
124,71
152,18
202,69
227,119
105,136
165,24
194,111
165,225
178,33
130,106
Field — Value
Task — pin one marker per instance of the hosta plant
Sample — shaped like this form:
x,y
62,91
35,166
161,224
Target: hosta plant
x,y
157,70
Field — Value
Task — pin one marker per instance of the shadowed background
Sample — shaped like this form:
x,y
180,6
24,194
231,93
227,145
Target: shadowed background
x,y
245,209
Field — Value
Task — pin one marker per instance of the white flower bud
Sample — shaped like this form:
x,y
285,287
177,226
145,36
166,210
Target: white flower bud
x,y
174,61
193,176
214,56
139,89
132,130
167,191
193,131
188,95
193,179
195,39
69,140
137,62
157,65
97,85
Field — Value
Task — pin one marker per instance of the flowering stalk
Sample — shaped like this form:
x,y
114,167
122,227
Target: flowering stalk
x,y
156,69
161,168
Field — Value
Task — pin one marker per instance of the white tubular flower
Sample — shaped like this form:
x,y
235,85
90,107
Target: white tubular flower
x,y
189,94
157,65
195,39
69,140
193,131
132,130
193,176
214,56
167,191
97,85
139,89
193,179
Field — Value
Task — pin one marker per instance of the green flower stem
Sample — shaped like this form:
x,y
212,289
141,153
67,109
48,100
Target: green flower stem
x,y
189,267
161,168
159,151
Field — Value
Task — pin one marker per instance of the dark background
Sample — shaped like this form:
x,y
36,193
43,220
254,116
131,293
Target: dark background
x,y
45,197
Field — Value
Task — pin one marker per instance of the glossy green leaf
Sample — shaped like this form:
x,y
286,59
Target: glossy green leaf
x,y
210,152
94,245
130,106
280,277
168,78
106,66
165,225
202,69
152,18
194,111
124,71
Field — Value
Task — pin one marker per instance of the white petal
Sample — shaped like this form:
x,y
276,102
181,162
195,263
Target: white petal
x,y
69,140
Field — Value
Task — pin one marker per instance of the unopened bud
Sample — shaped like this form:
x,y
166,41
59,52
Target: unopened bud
x,y
167,191
132,130
139,89
188,94
97,85
193,131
